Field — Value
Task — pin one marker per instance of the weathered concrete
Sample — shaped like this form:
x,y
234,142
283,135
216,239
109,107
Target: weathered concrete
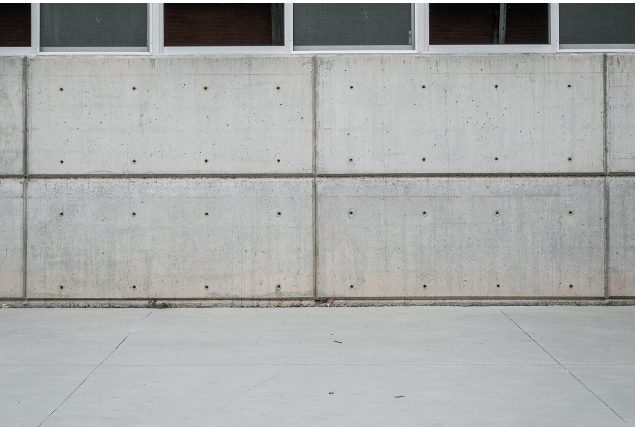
x,y
621,112
621,236
460,114
11,115
334,366
255,115
170,238
460,237
11,218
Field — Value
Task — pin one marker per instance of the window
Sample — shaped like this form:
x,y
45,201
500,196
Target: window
x,y
353,26
597,25
15,25
257,24
93,27
488,23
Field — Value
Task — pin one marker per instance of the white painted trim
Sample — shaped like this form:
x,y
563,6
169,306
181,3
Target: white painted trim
x,y
554,26
95,50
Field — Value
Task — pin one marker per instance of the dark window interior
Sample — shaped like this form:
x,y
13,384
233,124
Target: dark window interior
x,y
15,25
241,24
597,23
479,23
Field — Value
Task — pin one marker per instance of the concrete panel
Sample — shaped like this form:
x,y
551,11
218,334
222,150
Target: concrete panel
x,y
170,238
620,112
460,114
461,237
621,236
11,115
170,115
11,217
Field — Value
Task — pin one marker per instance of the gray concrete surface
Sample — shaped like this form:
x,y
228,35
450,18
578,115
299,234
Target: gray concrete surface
x,y
170,238
11,238
461,113
291,124
255,115
11,115
621,236
400,366
620,113
459,237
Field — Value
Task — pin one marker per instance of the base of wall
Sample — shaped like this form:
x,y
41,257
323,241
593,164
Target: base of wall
x,y
266,303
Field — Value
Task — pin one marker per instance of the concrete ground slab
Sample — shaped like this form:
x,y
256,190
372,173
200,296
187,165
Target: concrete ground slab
x,y
63,336
612,383
599,335
380,395
367,335
375,366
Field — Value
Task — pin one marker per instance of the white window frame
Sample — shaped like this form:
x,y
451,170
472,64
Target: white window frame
x,y
35,10
155,42
551,47
205,50
416,30
25,50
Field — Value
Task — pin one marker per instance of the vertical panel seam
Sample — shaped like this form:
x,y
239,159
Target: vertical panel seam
x,y
605,155
25,169
314,207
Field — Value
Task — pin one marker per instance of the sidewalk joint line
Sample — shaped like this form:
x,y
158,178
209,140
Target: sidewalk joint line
x,y
565,368
96,368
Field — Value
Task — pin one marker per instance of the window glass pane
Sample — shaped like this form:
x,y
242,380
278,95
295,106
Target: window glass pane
x,y
595,23
93,25
15,25
488,23
364,24
259,24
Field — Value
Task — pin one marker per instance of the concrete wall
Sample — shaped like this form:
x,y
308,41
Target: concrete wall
x,y
330,177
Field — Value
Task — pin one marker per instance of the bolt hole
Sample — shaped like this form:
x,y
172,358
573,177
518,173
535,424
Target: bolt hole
x,y
61,213
206,286
351,286
570,212
277,87
133,161
134,88
350,87
424,212
568,85
424,286
424,86
569,158
133,287
206,160
495,158
206,88
495,86
571,286
133,214
424,159
279,214
61,89
350,212
278,160
497,286
206,214
61,161
497,212
278,286
61,287
350,160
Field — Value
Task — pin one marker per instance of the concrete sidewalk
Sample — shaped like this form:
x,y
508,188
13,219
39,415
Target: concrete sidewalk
x,y
382,366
